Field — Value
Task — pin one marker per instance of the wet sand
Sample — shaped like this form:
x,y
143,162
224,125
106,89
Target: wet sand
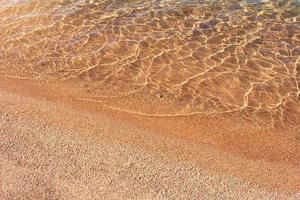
x,y
149,99
55,147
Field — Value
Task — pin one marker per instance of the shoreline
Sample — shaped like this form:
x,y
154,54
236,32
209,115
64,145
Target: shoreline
x,y
200,145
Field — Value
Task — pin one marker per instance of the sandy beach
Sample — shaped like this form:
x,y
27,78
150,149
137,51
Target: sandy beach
x,y
53,147
139,99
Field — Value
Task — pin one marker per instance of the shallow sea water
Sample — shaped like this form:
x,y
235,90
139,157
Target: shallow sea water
x,y
202,57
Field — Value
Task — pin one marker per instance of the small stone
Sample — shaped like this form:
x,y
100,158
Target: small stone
x,y
160,95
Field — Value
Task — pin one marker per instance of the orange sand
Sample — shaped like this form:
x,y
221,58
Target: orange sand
x,y
54,146
123,99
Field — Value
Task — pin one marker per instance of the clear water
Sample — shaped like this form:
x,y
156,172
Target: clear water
x,y
202,57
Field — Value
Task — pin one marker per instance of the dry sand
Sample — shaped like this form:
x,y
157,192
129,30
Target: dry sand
x,y
53,147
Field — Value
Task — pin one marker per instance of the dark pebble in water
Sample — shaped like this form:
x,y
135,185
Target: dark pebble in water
x,y
160,96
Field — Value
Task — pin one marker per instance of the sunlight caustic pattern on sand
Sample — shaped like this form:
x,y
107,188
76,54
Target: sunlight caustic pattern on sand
x,y
202,56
